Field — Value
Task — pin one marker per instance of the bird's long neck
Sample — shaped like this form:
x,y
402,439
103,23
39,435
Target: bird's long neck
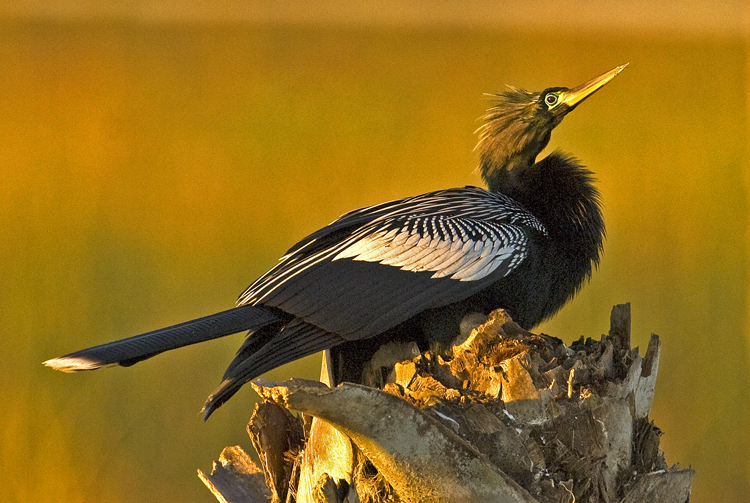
x,y
559,191
501,175
508,145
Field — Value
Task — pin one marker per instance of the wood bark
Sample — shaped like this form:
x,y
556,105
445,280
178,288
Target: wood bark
x,y
506,415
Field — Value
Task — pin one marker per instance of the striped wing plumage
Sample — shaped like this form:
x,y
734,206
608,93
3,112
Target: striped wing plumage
x,y
459,248
451,243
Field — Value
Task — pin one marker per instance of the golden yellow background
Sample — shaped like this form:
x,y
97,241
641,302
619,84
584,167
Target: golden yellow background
x,y
154,162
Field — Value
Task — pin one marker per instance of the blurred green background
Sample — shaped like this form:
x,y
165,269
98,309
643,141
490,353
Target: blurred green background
x,y
151,169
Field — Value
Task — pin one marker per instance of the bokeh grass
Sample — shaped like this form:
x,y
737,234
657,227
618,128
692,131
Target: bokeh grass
x,y
149,173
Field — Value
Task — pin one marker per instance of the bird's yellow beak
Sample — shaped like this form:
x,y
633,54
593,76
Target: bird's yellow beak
x,y
574,96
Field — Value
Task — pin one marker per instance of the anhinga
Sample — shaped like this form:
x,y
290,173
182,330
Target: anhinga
x,y
414,267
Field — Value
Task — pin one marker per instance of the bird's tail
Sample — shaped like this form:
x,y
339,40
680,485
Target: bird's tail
x,y
288,343
129,351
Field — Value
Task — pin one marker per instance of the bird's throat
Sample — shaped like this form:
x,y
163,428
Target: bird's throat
x,y
501,175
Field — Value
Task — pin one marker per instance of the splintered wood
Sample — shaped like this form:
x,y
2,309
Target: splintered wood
x,y
505,415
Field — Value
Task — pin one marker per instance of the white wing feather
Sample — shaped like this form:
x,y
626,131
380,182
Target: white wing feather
x,y
457,255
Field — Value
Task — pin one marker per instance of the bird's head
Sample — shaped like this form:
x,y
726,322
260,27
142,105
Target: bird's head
x,y
518,127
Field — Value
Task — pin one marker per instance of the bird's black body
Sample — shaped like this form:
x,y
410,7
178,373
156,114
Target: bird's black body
x,y
414,267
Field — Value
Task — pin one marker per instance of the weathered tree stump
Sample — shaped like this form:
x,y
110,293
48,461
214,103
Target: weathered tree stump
x,y
506,416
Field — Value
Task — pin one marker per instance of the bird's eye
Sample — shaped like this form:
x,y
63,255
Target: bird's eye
x,y
551,100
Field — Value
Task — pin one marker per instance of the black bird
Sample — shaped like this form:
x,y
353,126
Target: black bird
x,y
414,267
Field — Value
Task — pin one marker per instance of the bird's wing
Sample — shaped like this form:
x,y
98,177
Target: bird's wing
x,y
460,248
378,266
